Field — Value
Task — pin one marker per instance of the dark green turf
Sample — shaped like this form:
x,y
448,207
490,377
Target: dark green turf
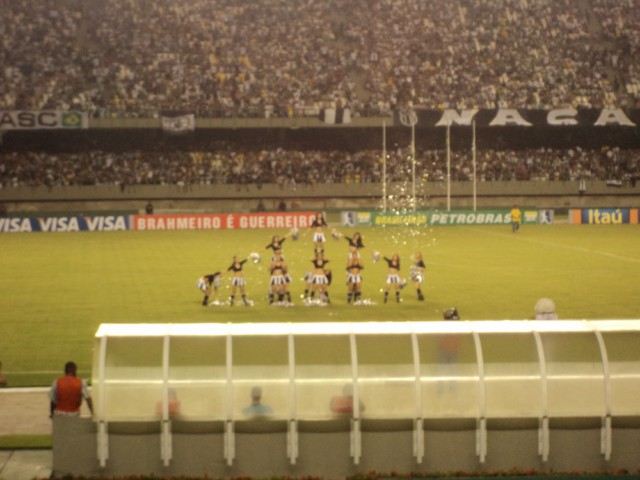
x,y
57,288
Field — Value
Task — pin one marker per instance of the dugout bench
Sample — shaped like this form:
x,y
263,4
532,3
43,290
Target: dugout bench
x,y
346,398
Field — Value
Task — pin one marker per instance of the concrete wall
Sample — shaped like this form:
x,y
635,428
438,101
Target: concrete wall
x,y
232,198
324,448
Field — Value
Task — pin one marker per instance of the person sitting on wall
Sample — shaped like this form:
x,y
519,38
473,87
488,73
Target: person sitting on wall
x,y
67,393
257,408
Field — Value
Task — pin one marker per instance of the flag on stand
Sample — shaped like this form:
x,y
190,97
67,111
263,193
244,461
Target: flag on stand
x,y
179,124
335,116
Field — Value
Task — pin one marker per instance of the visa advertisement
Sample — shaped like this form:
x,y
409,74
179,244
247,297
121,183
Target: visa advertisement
x,y
78,223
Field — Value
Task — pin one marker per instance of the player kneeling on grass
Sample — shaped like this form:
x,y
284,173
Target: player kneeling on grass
x,y
393,277
209,284
237,280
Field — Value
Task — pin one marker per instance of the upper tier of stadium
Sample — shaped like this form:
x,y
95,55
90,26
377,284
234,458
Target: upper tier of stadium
x,y
280,58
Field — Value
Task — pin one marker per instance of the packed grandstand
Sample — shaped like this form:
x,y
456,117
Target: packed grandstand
x,y
222,58
123,59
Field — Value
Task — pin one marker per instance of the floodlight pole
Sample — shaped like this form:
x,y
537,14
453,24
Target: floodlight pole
x,y
413,165
384,165
473,159
448,167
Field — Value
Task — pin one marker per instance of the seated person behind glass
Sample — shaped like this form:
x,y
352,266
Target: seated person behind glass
x,y
344,403
257,409
174,404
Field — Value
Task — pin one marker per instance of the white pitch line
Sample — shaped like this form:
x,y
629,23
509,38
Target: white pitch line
x,y
557,245
618,257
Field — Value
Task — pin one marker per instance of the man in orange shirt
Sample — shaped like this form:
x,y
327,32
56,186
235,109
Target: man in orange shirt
x,y
67,393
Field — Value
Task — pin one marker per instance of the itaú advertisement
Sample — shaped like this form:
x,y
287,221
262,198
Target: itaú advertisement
x,y
222,221
603,216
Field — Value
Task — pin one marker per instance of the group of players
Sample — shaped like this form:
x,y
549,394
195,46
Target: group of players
x,y
319,278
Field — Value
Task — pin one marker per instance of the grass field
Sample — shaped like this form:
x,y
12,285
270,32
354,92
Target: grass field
x,y
57,288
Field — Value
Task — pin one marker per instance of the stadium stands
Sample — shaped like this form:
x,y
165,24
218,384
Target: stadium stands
x,y
222,58
229,165
121,59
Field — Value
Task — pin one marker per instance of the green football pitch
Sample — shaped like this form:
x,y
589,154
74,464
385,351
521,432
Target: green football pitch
x,y
57,288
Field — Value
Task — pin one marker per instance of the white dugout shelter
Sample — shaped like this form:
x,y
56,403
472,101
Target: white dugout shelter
x,y
426,396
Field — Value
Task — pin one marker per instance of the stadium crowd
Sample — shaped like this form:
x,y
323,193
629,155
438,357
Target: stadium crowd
x,y
290,168
223,58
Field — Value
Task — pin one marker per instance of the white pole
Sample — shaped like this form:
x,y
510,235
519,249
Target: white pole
x,y
449,167
413,165
384,165
473,159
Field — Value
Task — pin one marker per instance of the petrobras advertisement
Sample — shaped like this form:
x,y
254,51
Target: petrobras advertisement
x,y
481,217
204,221
443,218
603,216
78,223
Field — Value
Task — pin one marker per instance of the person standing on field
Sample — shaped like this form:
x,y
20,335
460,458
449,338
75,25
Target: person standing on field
x,y
67,393
276,245
320,280
354,276
417,274
516,218
393,277
237,280
318,224
278,280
